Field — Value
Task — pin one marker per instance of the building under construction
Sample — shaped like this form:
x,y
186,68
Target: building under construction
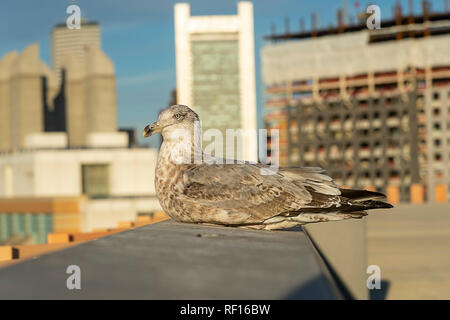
x,y
370,106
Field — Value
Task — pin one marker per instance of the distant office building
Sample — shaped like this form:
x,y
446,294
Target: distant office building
x,y
33,101
26,85
372,107
87,77
93,188
59,141
90,88
216,70
73,41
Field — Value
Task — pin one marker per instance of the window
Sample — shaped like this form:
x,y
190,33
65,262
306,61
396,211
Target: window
x,y
28,228
95,180
436,112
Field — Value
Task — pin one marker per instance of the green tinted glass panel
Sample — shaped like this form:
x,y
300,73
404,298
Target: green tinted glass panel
x,y
95,180
216,95
25,228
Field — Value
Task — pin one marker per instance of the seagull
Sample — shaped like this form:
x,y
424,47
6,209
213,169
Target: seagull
x,y
193,189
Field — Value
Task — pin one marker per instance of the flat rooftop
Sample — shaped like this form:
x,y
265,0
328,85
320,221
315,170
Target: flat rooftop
x,y
170,260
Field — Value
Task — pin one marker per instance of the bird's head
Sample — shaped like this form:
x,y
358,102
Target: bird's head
x,y
176,118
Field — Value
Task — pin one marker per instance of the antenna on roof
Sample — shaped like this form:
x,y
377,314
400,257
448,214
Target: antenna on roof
x,y
398,17
313,24
339,21
426,8
411,16
286,26
302,25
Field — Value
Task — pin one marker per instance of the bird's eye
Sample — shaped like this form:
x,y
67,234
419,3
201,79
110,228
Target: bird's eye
x,y
178,116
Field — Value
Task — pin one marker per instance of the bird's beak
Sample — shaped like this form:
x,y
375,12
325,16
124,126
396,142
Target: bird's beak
x,y
151,129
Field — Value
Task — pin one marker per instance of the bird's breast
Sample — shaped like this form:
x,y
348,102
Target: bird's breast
x,y
169,190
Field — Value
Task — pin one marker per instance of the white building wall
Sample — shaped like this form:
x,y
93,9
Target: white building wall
x,y
54,173
40,140
247,80
183,54
221,26
16,175
349,54
57,173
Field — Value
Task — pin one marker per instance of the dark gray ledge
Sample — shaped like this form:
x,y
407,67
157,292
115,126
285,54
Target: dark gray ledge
x,y
170,260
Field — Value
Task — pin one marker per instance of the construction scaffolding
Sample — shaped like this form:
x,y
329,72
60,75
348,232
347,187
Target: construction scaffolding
x,y
370,106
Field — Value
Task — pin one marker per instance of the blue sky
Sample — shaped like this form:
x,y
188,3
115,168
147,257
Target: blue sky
x,y
138,35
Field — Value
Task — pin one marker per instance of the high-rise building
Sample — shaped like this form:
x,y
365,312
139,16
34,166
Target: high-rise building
x,y
59,139
27,87
73,41
90,86
370,106
5,107
33,101
216,70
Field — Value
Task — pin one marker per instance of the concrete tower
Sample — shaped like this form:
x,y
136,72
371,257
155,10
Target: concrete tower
x,y
26,100
5,112
216,70
90,88
66,41
101,92
75,87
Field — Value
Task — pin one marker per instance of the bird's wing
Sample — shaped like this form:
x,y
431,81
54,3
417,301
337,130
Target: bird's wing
x,y
243,187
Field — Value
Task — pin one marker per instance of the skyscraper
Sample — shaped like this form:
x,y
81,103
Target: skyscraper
x,y
80,101
59,138
5,109
216,70
89,80
67,41
21,99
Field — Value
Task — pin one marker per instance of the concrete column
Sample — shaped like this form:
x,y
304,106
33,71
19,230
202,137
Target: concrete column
x,y
247,80
182,13
101,105
26,96
5,100
75,100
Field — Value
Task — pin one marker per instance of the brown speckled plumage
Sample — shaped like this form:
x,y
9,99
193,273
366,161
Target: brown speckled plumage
x,y
238,194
